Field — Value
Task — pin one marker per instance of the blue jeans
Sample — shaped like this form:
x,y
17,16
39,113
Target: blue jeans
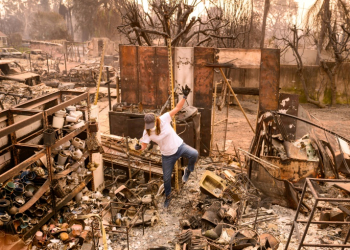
x,y
168,163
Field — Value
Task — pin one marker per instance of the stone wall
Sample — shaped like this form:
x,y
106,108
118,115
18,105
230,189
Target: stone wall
x,y
317,82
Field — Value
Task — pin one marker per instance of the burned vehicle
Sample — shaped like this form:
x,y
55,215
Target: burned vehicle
x,y
36,54
10,52
10,70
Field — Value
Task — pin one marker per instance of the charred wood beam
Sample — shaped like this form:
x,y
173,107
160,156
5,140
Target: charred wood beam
x,y
246,91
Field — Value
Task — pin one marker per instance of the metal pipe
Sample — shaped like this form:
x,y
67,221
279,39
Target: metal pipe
x,y
213,118
65,62
234,95
226,123
109,89
167,102
30,62
308,224
346,239
47,63
117,79
296,216
257,159
127,150
220,121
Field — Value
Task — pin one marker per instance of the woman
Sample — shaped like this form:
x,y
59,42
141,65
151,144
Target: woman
x,y
172,147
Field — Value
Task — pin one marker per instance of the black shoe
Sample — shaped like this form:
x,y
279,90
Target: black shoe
x,y
167,202
186,175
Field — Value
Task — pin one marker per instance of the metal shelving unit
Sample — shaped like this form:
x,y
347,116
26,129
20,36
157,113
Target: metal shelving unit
x,y
40,109
310,184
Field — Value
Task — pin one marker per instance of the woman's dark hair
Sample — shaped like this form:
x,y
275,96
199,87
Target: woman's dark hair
x,y
157,127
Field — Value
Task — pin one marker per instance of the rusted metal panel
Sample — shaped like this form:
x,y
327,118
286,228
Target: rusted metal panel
x,y
203,77
197,131
296,171
186,132
135,127
205,131
118,124
147,84
269,80
129,74
161,75
288,104
279,191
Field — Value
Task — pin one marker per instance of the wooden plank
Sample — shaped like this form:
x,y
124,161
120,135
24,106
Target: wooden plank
x,y
203,93
269,80
240,58
147,85
203,77
18,111
161,75
129,74
245,91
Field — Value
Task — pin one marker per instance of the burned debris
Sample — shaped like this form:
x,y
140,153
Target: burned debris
x,y
98,191
132,141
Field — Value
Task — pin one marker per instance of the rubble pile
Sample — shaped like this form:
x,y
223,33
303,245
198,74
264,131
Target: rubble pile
x,y
85,74
13,93
76,226
226,215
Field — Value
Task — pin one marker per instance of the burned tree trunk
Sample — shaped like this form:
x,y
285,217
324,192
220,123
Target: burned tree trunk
x,y
266,11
